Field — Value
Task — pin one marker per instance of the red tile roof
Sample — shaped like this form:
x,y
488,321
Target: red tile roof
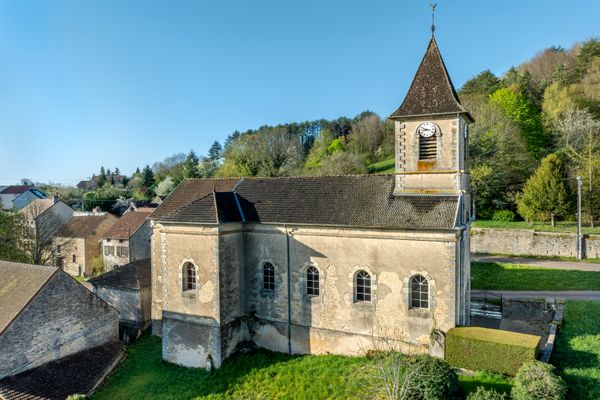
x,y
127,224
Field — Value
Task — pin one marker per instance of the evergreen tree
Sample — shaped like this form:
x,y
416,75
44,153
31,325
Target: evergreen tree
x,y
102,177
545,192
148,177
117,172
108,173
215,151
137,171
190,168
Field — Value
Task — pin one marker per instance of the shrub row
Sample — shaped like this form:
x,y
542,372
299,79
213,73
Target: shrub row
x,y
490,350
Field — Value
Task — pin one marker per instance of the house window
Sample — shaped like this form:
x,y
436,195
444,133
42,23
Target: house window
x,y
427,148
74,258
109,250
268,277
419,292
122,251
362,286
312,281
189,276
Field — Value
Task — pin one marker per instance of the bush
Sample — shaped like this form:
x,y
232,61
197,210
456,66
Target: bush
x,y
429,378
485,394
536,381
490,350
503,216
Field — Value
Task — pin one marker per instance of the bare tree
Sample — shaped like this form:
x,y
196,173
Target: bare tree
x,y
40,229
580,135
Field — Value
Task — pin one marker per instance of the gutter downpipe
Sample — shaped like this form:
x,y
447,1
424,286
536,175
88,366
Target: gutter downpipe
x,y
289,289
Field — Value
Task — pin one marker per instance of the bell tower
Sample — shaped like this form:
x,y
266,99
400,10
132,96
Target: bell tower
x,y
431,132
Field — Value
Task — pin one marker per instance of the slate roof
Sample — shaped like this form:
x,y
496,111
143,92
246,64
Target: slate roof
x,y
16,189
75,374
136,275
127,224
355,200
19,283
82,226
431,91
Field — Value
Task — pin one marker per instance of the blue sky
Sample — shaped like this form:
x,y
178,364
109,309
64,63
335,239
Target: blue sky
x,y
126,83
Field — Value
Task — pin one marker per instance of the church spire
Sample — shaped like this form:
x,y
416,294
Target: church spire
x,y
431,91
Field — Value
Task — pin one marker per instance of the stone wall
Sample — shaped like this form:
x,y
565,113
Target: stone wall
x,y
531,243
230,306
140,242
64,318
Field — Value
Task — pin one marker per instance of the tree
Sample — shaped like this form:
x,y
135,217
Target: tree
x,y
12,234
37,238
498,157
519,109
215,152
190,167
343,163
117,172
546,192
27,182
536,380
580,136
102,177
483,83
148,177
165,186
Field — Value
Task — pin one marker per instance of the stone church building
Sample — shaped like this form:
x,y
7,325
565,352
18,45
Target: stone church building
x,y
337,264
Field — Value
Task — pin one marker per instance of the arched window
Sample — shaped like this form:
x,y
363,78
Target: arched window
x,y
362,286
268,277
312,281
419,292
189,276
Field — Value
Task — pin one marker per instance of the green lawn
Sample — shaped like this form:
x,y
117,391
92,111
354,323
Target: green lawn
x,y
561,226
501,276
577,350
258,375
497,382
383,167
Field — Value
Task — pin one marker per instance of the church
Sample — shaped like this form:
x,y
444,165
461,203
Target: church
x,y
316,265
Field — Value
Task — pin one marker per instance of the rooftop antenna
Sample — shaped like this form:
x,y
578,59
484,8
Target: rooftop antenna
x,y
433,6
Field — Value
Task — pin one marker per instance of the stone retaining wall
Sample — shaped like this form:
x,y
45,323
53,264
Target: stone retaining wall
x,y
531,243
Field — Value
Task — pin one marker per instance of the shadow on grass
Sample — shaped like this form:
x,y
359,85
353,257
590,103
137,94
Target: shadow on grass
x,y
577,350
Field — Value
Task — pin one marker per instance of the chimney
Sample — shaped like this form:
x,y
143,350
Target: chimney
x,y
56,198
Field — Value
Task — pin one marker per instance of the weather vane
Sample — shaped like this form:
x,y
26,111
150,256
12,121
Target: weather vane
x,y
433,6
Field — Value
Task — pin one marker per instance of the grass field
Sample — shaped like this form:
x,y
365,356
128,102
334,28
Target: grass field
x,y
258,375
501,276
570,227
577,350
383,167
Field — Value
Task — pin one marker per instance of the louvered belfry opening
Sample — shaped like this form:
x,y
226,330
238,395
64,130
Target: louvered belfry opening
x,y
427,148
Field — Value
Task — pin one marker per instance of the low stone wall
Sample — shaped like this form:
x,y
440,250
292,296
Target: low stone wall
x,y
531,243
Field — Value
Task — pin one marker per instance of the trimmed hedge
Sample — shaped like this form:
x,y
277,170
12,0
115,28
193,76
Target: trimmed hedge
x,y
490,350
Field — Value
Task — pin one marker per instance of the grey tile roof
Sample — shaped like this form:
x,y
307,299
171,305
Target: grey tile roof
x,y
75,374
19,283
431,91
136,275
356,201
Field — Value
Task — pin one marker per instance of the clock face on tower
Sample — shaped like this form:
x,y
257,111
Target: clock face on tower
x,y
427,129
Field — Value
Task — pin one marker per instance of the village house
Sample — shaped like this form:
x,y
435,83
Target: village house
x,y
56,337
337,264
92,184
128,289
78,242
128,239
47,215
18,196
